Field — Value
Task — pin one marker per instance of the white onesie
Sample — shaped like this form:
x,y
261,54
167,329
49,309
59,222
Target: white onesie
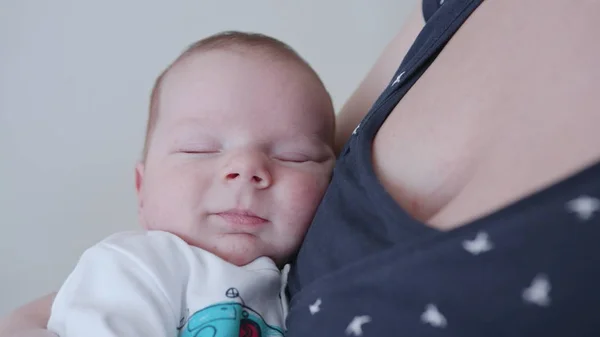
x,y
146,284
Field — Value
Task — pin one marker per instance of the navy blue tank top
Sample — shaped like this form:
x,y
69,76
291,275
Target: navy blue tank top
x,y
367,268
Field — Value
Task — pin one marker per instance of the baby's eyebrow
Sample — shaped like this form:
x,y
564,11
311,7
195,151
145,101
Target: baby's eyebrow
x,y
190,121
303,144
192,135
300,140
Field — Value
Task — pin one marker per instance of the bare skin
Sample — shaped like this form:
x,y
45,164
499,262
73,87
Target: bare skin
x,y
515,110
508,108
29,320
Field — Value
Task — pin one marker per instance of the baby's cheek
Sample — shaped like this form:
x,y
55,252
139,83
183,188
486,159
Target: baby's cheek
x,y
305,195
170,199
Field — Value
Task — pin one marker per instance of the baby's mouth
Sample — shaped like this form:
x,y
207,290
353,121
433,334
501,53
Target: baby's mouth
x,y
241,217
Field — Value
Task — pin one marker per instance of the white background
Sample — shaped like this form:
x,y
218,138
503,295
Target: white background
x,y
74,83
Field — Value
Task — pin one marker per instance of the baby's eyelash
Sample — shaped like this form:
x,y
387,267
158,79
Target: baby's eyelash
x,y
294,158
198,150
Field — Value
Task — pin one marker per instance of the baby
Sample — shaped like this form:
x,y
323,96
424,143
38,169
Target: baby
x,y
238,153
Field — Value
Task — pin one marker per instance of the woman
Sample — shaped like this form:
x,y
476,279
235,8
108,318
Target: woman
x,y
469,204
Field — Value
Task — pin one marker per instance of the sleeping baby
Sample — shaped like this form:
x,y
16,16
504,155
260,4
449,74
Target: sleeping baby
x,y
238,153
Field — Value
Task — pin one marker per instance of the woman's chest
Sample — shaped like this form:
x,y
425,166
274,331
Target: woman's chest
x,y
509,105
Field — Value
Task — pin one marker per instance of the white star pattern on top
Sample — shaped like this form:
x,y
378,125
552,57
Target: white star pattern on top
x,y
480,244
355,327
584,206
397,79
433,317
538,292
315,307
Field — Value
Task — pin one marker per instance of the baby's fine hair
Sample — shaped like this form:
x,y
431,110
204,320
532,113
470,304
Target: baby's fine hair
x,y
228,40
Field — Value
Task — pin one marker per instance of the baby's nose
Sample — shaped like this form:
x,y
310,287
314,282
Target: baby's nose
x,y
248,169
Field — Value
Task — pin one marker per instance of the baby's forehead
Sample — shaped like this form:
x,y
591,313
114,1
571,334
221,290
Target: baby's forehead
x,y
205,79
228,73
201,63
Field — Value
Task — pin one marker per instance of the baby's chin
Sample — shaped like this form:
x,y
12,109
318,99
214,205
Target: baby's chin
x,y
242,259
239,260
239,251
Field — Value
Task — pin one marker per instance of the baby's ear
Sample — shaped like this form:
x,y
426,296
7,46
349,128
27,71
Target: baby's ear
x,y
139,182
139,189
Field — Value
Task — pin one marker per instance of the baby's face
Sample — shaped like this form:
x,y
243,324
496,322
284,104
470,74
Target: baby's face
x,y
240,156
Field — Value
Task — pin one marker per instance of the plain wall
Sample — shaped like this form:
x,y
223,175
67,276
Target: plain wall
x,y
75,78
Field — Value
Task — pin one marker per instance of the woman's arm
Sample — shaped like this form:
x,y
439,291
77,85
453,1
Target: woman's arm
x,y
29,320
378,77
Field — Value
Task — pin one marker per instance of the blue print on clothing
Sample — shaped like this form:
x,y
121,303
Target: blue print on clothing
x,y
228,319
